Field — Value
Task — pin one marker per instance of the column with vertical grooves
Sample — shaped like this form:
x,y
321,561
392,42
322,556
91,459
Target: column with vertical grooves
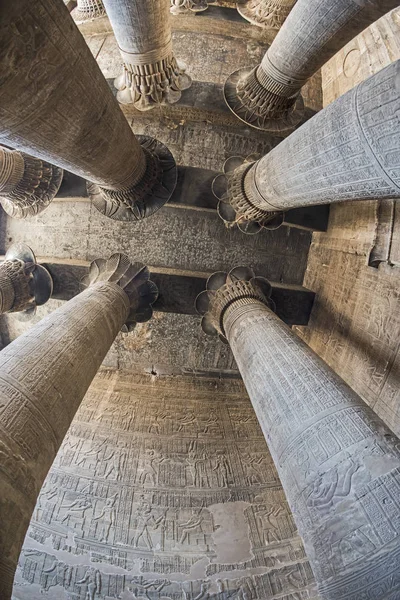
x,y
44,375
348,151
268,96
338,462
151,74
56,105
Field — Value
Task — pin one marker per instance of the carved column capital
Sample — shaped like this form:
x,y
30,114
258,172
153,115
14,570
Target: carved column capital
x,y
179,7
132,278
23,283
239,200
269,14
265,98
238,287
27,184
88,9
149,194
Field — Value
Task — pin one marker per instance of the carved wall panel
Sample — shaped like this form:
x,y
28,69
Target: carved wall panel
x,y
163,491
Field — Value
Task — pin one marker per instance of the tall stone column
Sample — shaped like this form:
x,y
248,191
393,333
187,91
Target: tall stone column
x,y
88,9
268,14
56,105
268,96
24,284
27,184
348,151
179,7
338,463
151,74
44,375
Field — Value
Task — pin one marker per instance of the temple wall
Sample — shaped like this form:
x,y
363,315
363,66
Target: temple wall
x,y
163,490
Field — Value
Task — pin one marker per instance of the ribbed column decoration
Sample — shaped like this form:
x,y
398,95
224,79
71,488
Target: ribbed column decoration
x,y
268,96
27,184
151,74
179,7
348,151
268,14
338,463
88,9
56,105
44,375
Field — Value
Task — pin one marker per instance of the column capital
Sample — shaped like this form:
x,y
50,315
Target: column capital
x,y
133,278
239,199
179,7
238,287
23,283
27,184
268,14
88,9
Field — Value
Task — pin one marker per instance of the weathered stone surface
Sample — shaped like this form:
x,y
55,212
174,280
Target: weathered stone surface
x,y
270,14
338,463
163,488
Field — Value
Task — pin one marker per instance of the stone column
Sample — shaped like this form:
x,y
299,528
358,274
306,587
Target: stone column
x,y
88,9
151,75
44,375
268,96
348,151
338,463
268,14
56,105
27,184
24,284
179,7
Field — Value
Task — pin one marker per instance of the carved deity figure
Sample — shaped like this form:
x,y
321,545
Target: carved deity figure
x,y
92,578
109,514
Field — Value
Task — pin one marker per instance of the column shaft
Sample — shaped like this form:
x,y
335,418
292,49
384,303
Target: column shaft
x,y
337,461
44,375
151,74
312,33
54,100
348,151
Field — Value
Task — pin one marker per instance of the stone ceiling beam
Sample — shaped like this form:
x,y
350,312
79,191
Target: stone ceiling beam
x,y
177,291
193,191
56,105
268,96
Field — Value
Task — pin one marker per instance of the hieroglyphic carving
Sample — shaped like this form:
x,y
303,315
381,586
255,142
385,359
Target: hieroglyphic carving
x,y
136,485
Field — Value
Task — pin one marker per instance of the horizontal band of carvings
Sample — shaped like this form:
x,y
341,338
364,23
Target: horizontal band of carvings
x,y
148,84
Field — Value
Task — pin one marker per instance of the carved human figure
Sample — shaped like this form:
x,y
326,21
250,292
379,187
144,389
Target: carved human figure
x,y
109,516
221,468
76,508
58,574
92,579
192,525
268,521
145,521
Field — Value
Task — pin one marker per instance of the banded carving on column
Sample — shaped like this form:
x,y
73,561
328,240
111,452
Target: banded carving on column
x,y
348,151
268,96
23,283
338,462
151,74
44,375
27,184
179,7
234,207
88,9
269,14
131,179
